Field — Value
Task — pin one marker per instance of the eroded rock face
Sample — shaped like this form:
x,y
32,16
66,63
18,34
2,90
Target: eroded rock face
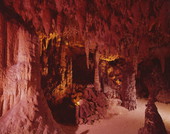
x,y
129,27
132,30
23,107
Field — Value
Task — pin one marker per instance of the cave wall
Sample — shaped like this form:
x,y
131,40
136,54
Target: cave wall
x,y
134,30
130,29
21,95
1,61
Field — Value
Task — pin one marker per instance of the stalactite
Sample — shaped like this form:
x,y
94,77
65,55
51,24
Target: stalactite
x,y
47,22
87,54
97,83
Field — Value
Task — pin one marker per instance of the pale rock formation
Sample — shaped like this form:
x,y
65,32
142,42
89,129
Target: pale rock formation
x,y
24,109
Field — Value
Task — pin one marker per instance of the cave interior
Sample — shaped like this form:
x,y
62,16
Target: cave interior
x,y
67,62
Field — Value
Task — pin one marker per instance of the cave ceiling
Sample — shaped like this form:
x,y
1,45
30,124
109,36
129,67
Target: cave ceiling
x,y
119,28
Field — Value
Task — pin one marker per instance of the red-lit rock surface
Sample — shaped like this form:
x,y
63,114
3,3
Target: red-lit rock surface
x,y
153,121
23,107
130,31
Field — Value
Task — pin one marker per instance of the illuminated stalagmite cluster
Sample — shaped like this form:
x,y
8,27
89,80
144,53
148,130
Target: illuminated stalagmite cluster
x,y
79,56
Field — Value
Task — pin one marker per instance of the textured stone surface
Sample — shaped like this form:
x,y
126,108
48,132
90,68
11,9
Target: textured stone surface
x,y
134,30
22,98
153,121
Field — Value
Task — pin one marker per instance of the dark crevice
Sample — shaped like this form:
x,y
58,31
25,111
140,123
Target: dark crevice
x,y
64,112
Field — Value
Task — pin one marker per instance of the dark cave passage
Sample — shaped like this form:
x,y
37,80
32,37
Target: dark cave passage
x,y
150,75
69,75
145,68
64,112
79,85
81,74
64,77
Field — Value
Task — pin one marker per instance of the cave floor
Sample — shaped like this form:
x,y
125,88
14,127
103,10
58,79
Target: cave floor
x,y
121,121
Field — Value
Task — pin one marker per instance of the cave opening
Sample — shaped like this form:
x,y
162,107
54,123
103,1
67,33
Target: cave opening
x,y
112,77
147,70
78,79
64,77
64,112
81,74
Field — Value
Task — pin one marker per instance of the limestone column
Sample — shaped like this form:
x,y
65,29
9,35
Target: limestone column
x,y
128,94
97,84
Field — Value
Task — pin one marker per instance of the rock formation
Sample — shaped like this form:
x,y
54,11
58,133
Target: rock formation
x,y
52,50
153,121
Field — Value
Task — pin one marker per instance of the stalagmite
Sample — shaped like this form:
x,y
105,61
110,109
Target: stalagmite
x,y
153,121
